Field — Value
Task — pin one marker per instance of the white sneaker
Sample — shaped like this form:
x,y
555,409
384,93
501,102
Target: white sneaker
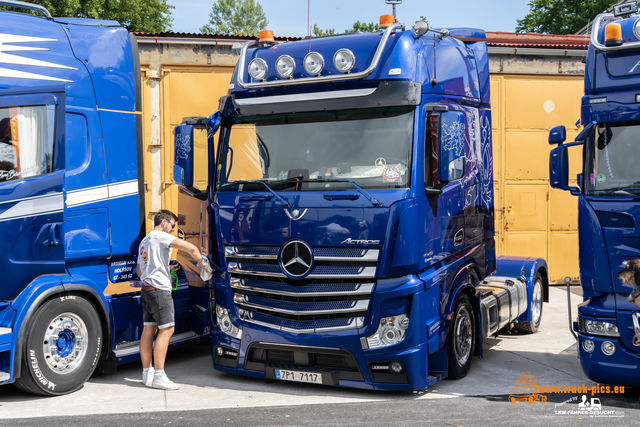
x,y
147,377
162,382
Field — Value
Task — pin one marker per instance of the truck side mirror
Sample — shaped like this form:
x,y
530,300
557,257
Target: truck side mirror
x,y
183,155
557,135
559,169
451,149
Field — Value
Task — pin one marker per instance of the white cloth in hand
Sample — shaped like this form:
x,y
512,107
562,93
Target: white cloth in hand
x,y
207,272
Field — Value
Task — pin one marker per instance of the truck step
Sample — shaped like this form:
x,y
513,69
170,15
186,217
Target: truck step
x,y
436,376
134,346
4,376
5,331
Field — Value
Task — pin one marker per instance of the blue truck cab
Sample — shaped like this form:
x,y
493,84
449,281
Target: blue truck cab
x,y
351,209
72,203
608,198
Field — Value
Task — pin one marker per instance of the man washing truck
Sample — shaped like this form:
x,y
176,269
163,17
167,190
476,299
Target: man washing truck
x,y
154,256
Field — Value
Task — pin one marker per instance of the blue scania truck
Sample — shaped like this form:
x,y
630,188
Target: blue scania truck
x,y
72,203
351,209
608,196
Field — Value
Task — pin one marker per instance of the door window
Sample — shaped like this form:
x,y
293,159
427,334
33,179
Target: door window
x,y
26,141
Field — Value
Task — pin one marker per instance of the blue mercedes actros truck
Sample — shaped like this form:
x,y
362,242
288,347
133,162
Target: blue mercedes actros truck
x,y
351,209
608,196
72,203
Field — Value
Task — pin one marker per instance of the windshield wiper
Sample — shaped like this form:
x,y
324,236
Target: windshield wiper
x,y
616,192
373,201
277,196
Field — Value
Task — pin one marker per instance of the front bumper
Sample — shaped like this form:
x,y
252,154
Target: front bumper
x,y
621,368
338,357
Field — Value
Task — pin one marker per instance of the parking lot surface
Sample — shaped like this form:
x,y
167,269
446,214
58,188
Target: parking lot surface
x,y
481,398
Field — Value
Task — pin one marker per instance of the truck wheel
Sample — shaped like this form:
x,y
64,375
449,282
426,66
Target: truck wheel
x,y
461,339
62,347
536,309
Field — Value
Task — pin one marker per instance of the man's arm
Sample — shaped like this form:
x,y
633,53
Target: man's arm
x,y
138,273
187,247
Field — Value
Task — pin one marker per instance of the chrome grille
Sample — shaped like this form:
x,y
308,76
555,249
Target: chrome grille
x,y
335,294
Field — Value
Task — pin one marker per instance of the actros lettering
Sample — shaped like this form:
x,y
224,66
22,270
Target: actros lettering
x,y
350,241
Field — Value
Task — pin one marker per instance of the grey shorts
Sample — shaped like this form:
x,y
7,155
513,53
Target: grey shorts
x,y
157,308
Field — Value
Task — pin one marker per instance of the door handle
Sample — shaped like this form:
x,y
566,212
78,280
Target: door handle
x,y
181,234
51,235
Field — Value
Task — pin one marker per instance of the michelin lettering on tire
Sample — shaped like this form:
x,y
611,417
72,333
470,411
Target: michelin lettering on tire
x,y
38,373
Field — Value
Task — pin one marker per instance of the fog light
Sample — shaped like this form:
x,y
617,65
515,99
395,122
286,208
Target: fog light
x,y
344,60
313,63
608,348
258,69
588,346
395,367
219,351
285,66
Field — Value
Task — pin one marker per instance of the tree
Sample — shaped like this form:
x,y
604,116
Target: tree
x,y
318,32
151,16
561,16
371,27
236,17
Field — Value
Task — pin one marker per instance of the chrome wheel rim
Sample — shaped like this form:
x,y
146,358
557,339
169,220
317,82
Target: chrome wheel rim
x,y
65,343
463,336
536,302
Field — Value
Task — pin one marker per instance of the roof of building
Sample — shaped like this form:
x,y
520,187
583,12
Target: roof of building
x,y
536,40
499,38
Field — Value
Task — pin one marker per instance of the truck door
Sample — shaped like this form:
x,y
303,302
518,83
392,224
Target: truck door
x,y
443,211
191,151
31,186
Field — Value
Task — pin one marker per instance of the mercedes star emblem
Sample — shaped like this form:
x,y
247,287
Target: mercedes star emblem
x,y
296,258
381,162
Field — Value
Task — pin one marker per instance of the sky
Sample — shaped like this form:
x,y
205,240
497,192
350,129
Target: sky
x,y
288,18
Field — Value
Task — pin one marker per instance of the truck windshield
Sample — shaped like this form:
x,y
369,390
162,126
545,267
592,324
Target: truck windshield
x,y
372,148
613,158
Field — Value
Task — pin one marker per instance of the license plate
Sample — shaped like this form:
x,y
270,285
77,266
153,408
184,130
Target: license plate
x,y
302,377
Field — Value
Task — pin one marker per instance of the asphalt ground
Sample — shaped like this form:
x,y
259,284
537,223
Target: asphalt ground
x,y
208,397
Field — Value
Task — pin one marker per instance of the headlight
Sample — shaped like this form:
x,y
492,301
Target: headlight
x,y
313,63
608,348
225,324
285,66
258,69
593,327
636,29
344,60
391,330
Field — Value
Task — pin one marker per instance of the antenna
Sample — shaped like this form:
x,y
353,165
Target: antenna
x,y
309,23
394,3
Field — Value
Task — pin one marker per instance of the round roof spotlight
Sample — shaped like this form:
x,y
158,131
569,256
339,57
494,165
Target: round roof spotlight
x,y
421,28
285,66
258,69
344,60
313,63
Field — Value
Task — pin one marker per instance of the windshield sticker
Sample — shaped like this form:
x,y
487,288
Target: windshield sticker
x,y
601,178
391,173
592,179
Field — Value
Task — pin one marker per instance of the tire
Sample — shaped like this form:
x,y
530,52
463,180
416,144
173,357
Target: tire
x,y
461,340
62,346
536,309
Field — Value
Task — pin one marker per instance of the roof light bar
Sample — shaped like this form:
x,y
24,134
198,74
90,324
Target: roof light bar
x,y
374,64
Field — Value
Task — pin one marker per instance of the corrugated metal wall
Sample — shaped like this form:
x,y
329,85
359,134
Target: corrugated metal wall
x,y
531,218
